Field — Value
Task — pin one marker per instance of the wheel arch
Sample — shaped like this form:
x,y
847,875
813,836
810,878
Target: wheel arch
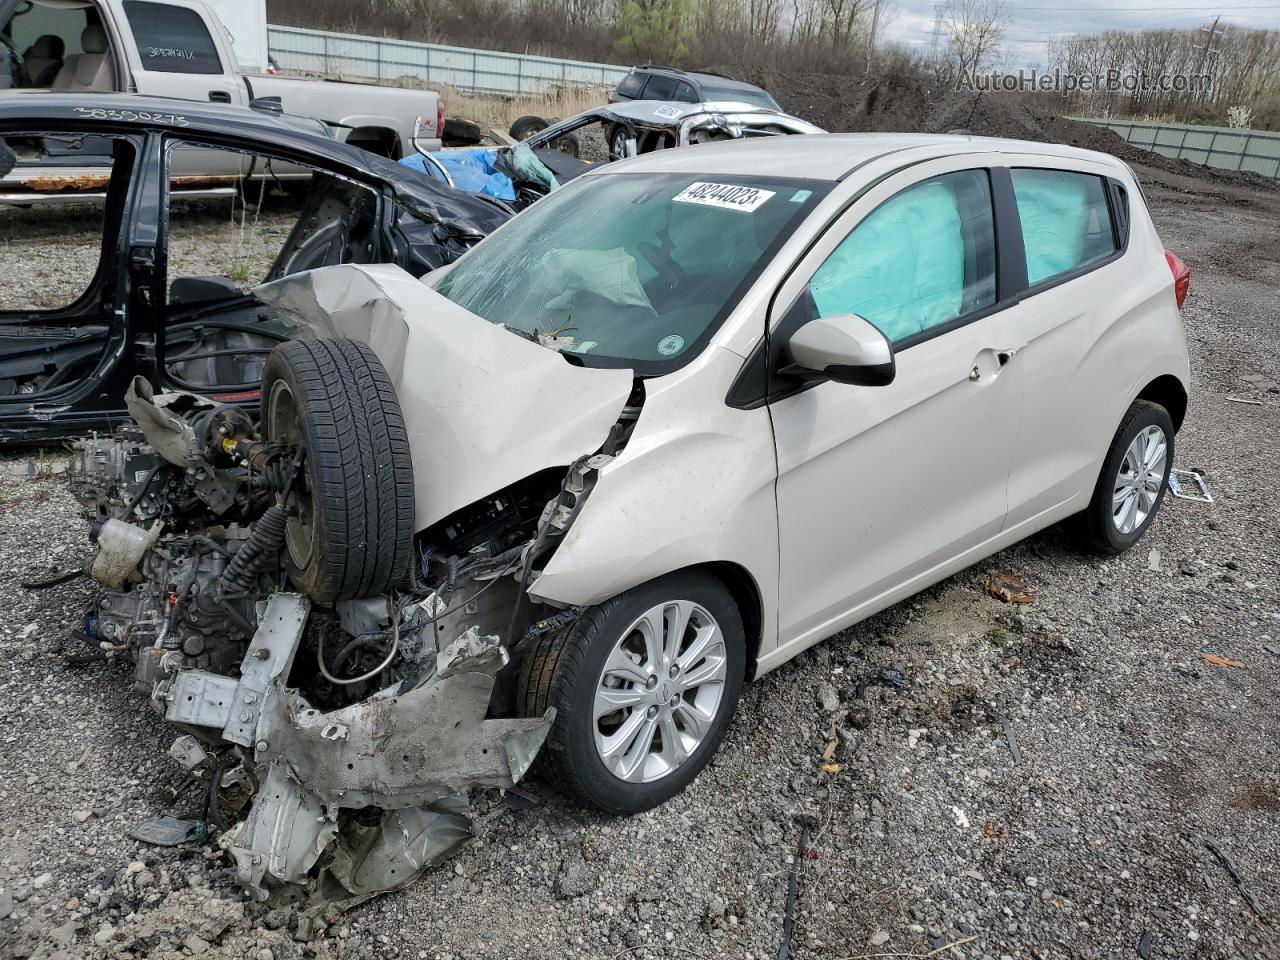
x,y
377,139
1168,391
746,596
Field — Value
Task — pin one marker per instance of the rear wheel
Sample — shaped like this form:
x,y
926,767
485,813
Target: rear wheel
x,y
1132,483
617,141
350,528
644,687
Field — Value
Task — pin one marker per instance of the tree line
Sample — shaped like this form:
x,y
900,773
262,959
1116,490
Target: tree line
x,y
1242,67
843,37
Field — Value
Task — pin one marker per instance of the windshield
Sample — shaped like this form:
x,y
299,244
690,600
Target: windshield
x,y
713,94
630,270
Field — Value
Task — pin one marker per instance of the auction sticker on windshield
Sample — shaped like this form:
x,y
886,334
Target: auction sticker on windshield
x,y
726,196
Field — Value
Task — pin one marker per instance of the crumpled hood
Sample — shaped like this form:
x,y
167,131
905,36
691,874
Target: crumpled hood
x,y
483,407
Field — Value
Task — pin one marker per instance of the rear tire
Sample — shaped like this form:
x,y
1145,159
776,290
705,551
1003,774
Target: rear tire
x,y
567,670
1125,499
350,531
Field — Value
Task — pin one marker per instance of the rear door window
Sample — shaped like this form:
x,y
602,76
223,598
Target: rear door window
x,y
1066,224
922,259
660,88
172,39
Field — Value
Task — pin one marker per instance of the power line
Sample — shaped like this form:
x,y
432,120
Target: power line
x,y
1164,9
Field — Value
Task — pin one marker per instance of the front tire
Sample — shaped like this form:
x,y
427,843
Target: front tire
x,y
644,687
1133,480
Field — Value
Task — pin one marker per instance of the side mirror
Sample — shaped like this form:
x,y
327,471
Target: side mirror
x,y
845,348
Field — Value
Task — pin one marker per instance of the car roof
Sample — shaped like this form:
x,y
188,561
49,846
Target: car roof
x,y
702,77
128,109
833,156
263,129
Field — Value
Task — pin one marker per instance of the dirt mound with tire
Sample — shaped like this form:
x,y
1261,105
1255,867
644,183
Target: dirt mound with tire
x,y
915,104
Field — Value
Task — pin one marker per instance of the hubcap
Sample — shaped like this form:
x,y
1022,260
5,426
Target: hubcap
x,y
659,691
1137,485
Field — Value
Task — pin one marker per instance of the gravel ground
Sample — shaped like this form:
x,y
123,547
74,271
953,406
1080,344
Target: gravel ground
x,y
49,254
1043,786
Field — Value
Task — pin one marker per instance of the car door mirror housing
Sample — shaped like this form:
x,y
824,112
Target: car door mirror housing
x,y
845,348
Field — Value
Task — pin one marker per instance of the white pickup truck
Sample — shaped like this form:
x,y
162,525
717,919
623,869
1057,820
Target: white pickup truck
x,y
182,49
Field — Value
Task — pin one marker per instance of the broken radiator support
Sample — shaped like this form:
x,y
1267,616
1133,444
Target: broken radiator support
x,y
410,754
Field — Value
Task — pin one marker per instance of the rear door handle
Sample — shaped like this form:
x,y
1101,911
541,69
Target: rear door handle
x,y
219,96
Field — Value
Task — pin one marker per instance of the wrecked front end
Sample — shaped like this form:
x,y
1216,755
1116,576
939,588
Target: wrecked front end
x,y
339,735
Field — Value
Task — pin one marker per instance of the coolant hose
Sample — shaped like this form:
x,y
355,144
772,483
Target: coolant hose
x,y
264,542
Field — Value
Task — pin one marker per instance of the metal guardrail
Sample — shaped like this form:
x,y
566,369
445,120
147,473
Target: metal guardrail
x,y
382,60
1255,151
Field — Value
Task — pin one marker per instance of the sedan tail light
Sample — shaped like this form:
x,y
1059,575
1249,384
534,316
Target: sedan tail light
x,y
439,115
1181,277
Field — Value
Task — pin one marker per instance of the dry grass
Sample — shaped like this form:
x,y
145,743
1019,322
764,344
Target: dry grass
x,y
500,112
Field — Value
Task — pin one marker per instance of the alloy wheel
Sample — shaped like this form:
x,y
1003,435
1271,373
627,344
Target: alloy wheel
x,y
660,691
1138,481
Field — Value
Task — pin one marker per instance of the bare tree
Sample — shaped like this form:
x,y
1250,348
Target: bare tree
x,y
973,31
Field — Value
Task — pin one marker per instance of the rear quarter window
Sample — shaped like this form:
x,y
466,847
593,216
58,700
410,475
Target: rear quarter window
x,y
631,85
1066,222
172,39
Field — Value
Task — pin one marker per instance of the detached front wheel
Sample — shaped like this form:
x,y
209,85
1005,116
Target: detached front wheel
x,y
644,687
350,527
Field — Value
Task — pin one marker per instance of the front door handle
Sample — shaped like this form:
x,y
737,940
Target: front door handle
x,y
219,96
989,362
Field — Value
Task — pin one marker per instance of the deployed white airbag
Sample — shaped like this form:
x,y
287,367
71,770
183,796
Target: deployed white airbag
x,y
483,407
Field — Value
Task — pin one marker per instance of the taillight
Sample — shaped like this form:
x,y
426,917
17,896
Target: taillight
x,y
1181,277
439,115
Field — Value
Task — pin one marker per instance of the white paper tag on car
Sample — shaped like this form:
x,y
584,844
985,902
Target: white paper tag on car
x,y
726,196
667,113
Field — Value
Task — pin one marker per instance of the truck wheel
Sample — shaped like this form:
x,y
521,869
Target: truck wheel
x,y
644,687
526,127
1132,483
350,527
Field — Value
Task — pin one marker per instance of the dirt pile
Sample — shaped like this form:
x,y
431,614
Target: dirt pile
x,y
914,104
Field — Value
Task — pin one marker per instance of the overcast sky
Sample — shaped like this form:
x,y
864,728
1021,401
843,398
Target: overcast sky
x,y
1034,22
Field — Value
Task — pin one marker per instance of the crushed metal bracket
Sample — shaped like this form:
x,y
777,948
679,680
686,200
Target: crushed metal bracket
x,y
411,755
1195,478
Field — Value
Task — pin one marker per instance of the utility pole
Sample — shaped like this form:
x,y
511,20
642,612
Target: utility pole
x,y
1205,52
933,44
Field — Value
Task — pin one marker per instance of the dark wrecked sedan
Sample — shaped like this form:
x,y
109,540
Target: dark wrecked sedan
x,y
107,182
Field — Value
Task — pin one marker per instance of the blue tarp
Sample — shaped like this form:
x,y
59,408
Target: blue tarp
x,y
471,170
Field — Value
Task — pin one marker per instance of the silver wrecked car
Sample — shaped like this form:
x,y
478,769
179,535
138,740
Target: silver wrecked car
x,y
555,154
652,438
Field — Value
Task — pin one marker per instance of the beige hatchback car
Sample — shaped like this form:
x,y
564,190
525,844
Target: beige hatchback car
x,y
861,363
